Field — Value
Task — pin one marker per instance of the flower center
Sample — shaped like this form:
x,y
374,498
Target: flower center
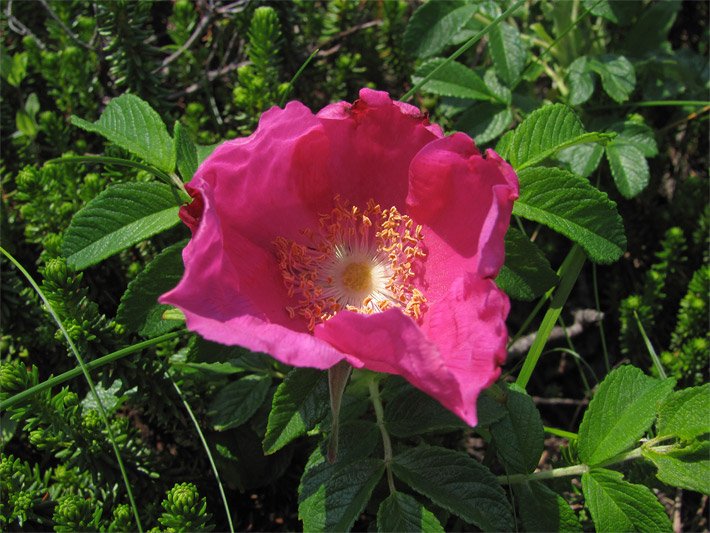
x,y
358,277
362,260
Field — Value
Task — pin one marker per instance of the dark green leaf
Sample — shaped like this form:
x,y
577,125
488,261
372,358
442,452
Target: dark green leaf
x,y
617,505
121,216
13,69
452,80
507,51
133,125
238,401
628,167
400,512
687,467
519,436
139,309
571,206
541,509
484,121
617,11
685,413
651,29
622,409
25,124
185,153
458,483
434,24
617,74
527,273
300,402
581,81
414,413
331,496
635,132
582,159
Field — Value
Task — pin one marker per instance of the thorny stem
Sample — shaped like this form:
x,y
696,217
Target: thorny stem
x,y
386,442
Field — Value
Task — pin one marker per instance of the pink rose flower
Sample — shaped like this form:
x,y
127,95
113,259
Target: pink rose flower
x,y
359,233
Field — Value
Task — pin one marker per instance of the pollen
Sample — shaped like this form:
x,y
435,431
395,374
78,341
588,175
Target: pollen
x,y
363,259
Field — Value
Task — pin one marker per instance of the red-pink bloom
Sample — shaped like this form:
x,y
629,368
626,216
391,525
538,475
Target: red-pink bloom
x,y
359,233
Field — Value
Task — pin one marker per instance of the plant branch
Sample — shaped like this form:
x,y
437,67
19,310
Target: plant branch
x,y
386,442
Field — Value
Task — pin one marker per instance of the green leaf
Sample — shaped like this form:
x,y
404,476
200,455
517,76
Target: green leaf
x,y
580,80
25,124
300,402
617,505
635,132
331,496
582,159
519,437
133,125
121,216
687,467
545,132
204,151
527,273
484,121
571,206
542,509
414,413
617,74
139,309
628,167
651,29
458,483
13,69
110,398
452,80
433,26
685,413
617,11
400,512
238,401
185,153
622,409
507,51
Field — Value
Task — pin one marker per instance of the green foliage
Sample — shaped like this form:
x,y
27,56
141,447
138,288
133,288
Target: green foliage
x,y
74,513
185,510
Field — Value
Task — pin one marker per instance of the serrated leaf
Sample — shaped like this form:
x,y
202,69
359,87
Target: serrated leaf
x,y
687,467
109,397
685,413
454,79
238,401
414,413
507,51
628,167
121,216
571,206
185,153
433,26
622,409
527,273
541,509
582,159
617,74
458,483
300,402
617,505
484,121
132,124
139,309
580,80
545,132
519,436
331,496
400,512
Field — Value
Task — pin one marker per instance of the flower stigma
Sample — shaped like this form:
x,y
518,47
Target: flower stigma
x,y
358,259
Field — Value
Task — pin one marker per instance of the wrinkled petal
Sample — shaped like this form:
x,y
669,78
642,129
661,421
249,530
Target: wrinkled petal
x,y
372,143
464,201
392,342
468,328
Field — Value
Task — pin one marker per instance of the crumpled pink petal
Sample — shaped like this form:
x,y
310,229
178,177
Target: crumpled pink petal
x,y
280,179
